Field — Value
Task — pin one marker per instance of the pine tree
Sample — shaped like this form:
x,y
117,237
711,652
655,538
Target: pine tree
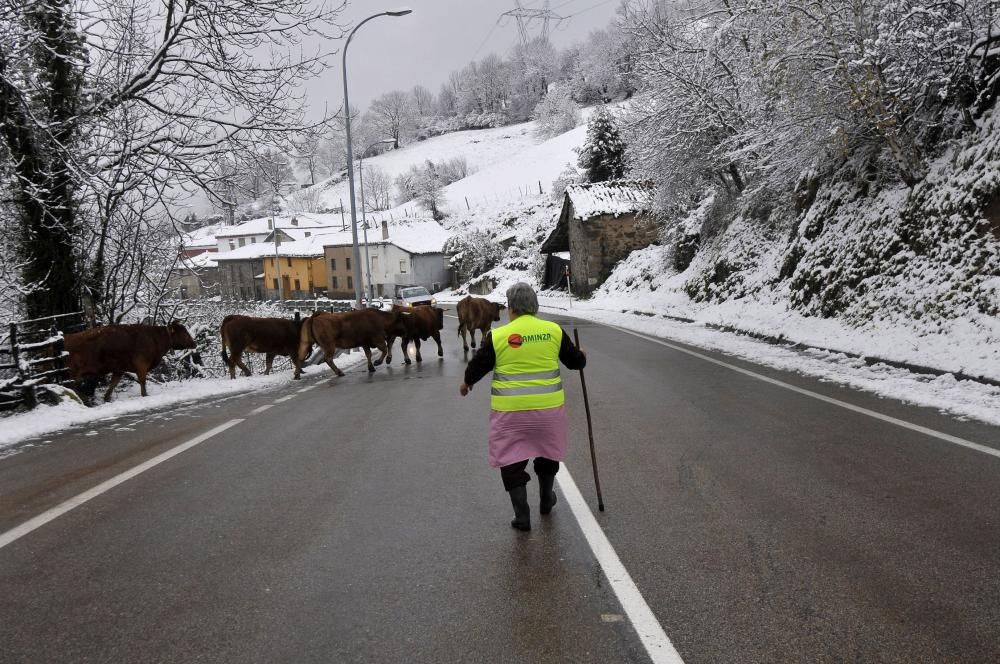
x,y
602,156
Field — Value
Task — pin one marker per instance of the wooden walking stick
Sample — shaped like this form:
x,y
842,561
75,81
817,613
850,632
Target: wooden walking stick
x,y
590,430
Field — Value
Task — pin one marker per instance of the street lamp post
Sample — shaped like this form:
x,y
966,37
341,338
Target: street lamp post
x,y
277,241
350,155
364,219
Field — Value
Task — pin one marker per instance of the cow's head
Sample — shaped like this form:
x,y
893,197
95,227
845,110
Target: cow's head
x,y
497,308
180,338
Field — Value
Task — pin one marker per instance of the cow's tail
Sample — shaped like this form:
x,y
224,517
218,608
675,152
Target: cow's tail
x,y
306,339
225,342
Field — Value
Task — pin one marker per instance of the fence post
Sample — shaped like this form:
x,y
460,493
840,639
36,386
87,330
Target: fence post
x,y
27,391
540,192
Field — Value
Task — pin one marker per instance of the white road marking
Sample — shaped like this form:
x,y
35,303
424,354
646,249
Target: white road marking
x,y
815,395
260,409
306,389
284,399
20,531
654,639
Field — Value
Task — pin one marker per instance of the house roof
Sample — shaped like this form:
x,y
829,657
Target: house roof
x,y
615,197
420,237
201,237
586,201
200,262
262,226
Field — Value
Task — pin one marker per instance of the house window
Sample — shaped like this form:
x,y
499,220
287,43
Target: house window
x,y
289,261
253,240
298,285
335,285
350,282
348,263
333,264
308,234
243,241
275,283
374,263
436,286
402,266
232,245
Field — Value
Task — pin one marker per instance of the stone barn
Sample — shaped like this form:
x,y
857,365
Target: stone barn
x,y
600,224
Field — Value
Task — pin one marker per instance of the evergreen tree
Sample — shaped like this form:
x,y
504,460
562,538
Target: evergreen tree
x,y
602,156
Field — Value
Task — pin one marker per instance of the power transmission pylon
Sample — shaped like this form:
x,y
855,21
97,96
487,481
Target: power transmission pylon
x,y
526,16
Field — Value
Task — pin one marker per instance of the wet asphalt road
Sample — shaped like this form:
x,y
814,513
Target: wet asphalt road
x,y
358,522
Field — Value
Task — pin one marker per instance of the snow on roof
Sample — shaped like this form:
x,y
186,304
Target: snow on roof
x,y
201,237
615,197
249,252
422,237
418,237
200,262
262,226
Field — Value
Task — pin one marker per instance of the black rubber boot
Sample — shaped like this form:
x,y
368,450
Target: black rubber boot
x,y
522,513
549,499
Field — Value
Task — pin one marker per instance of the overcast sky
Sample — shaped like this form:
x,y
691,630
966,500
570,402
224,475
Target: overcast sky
x,y
439,36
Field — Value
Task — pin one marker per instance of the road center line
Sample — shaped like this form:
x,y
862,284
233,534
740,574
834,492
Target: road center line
x,y
284,399
260,409
20,531
654,639
306,389
940,435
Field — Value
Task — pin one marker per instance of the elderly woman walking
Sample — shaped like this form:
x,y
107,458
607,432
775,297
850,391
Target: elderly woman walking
x,y
528,416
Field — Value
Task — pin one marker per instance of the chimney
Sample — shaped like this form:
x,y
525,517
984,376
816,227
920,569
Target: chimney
x,y
385,230
295,221
270,225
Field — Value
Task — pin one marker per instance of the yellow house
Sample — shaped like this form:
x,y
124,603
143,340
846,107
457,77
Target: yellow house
x,y
298,270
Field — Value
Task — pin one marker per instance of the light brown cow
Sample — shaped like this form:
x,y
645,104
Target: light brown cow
x,y
476,313
365,329
272,336
116,349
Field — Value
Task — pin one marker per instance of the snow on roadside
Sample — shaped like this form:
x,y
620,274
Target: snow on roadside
x,y
46,420
962,398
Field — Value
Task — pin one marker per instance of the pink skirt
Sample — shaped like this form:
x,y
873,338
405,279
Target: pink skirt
x,y
525,434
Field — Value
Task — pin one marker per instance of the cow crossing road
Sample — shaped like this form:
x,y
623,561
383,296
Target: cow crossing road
x,y
355,520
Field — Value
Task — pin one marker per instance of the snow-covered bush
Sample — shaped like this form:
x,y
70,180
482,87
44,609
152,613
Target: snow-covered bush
x,y
556,113
473,253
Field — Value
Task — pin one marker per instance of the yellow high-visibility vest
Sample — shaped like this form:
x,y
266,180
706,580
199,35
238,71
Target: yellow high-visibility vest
x,y
526,374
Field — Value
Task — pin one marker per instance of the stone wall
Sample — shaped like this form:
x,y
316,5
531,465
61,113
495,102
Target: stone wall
x,y
597,244
237,279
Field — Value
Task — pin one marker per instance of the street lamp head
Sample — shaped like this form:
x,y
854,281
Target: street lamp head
x,y
403,11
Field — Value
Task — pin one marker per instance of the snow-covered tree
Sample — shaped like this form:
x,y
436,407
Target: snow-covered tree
x,y
556,113
377,192
602,156
394,116
569,175
112,107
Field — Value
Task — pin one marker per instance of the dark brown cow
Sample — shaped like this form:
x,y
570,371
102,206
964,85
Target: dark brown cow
x,y
476,313
420,323
116,349
365,329
272,336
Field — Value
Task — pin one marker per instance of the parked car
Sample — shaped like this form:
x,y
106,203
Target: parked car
x,y
411,296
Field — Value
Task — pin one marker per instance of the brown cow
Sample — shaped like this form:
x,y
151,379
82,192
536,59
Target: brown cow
x,y
420,323
116,349
367,329
476,313
272,336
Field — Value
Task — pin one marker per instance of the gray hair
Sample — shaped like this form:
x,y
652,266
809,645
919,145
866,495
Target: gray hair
x,y
521,299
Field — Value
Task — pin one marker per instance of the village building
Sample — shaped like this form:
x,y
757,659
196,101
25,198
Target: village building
x,y
195,277
297,270
254,231
400,255
599,224
241,272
